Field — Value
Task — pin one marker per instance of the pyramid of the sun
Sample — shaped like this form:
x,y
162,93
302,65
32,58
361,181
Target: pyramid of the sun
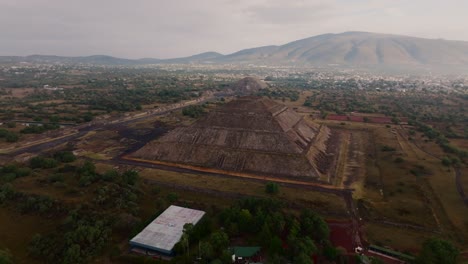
x,y
250,135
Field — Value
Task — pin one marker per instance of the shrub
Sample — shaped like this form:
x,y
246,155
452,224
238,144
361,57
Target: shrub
x,y
193,111
41,162
110,175
446,161
6,192
65,156
172,197
387,148
11,137
23,172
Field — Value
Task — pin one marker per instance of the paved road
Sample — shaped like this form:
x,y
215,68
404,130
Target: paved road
x,y
85,128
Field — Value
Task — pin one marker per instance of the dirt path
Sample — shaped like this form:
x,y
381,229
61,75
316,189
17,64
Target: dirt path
x,y
340,172
459,184
192,169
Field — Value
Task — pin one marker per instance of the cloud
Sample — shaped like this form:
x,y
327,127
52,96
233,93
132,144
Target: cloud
x,y
172,28
289,12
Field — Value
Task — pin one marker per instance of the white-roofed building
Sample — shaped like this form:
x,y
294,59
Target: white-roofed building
x,y
166,230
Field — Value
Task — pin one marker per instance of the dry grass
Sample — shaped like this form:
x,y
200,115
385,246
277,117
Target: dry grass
x,y
461,143
393,192
404,240
18,92
323,201
430,199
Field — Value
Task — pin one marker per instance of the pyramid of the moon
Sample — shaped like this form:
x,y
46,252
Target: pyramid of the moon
x,y
248,85
249,135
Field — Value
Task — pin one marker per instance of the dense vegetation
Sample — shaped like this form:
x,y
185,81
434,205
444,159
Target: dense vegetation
x,y
193,111
260,222
76,98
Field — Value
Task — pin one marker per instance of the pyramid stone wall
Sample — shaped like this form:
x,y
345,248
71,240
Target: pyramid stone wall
x,y
250,135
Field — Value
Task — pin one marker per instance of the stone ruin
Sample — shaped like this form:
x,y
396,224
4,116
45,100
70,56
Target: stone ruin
x,y
249,135
248,85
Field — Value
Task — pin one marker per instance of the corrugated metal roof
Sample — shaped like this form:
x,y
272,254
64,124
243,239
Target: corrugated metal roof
x,y
245,252
167,229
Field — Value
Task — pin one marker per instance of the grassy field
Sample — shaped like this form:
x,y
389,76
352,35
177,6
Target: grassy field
x,y
326,203
419,189
399,239
16,230
407,185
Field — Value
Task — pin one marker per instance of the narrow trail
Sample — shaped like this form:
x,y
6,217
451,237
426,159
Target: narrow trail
x,y
459,184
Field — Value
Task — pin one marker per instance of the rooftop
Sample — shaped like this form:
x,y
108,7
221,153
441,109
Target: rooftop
x,y
167,229
245,252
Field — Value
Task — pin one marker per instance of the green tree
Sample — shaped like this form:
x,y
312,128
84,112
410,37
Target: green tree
x,y
314,225
172,197
72,255
271,188
11,137
303,258
245,220
219,240
438,251
65,156
185,239
206,250
130,177
275,246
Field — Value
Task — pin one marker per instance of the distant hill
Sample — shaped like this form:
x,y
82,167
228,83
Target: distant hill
x,y
51,59
362,50
358,49
207,57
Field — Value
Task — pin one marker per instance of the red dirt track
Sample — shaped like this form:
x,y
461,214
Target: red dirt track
x,y
341,233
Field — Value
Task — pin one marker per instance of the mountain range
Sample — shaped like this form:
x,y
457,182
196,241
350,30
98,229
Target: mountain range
x,y
350,49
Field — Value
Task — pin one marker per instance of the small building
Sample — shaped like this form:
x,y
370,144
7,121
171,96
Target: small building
x,y
247,255
161,235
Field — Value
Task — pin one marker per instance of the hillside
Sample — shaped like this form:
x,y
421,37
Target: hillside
x,y
350,49
361,49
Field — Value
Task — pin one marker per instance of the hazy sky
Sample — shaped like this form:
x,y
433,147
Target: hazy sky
x,y
175,28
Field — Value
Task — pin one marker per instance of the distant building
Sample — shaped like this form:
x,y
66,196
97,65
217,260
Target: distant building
x,y
47,87
161,235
